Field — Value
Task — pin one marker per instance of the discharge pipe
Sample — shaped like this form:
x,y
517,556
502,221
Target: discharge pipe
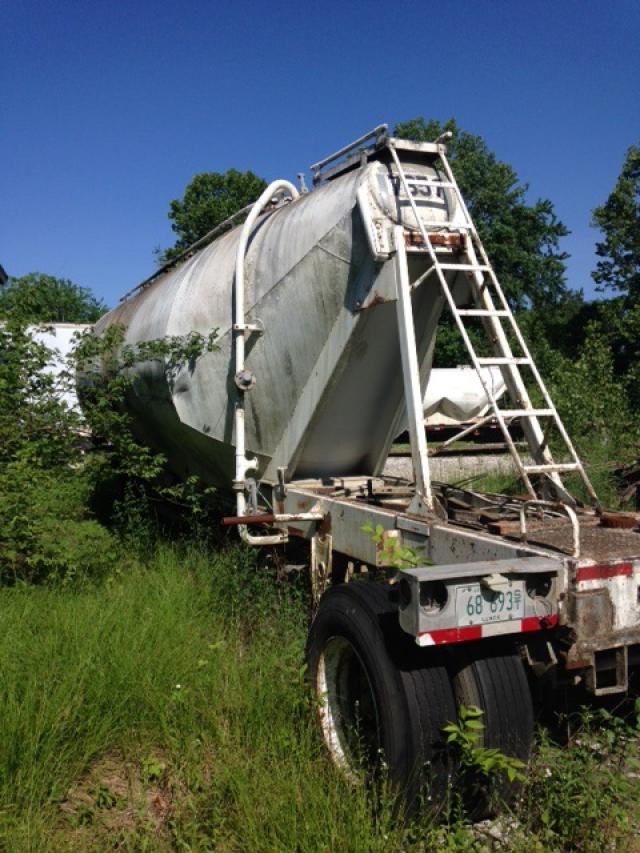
x,y
244,379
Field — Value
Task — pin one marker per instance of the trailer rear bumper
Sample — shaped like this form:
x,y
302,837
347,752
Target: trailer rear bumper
x,y
471,601
446,636
474,585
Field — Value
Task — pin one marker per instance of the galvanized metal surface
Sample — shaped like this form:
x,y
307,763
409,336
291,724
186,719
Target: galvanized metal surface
x,y
344,502
492,306
244,379
327,397
422,501
377,133
190,250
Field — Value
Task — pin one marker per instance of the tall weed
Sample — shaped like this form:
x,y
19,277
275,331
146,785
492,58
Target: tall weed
x,y
197,657
188,670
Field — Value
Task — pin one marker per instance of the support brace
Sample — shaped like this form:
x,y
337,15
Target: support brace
x,y
422,502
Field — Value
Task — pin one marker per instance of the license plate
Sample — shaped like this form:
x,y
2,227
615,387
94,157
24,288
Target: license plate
x,y
479,605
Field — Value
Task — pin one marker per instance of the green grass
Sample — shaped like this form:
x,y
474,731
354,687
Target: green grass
x,y
494,483
166,710
194,666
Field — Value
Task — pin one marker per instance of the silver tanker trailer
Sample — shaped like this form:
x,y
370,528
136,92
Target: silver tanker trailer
x,y
326,305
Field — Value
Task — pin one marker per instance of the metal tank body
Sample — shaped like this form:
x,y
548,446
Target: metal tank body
x,y
328,396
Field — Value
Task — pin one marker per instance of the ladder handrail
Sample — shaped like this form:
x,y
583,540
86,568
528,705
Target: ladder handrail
x,y
462,329
491,315
519,336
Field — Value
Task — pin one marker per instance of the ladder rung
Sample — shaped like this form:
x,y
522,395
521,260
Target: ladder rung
x,y
552,469
465,267
482,312
526,413
485,277
503,360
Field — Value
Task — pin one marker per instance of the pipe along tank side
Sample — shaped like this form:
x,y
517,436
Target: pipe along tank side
x,y
328,398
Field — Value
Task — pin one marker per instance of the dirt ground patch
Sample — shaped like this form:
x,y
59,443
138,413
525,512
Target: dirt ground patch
x,y
119,800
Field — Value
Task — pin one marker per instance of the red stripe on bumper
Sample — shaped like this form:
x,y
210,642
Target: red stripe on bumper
x,y
603,571
538,623
443,636
454,635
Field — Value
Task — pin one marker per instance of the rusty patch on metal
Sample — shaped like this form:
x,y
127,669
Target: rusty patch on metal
x,y
376,300
592,613
596,542
450,241
454,240
503,528
325,525
620,520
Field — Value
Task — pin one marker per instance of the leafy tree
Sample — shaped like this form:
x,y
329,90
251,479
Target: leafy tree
x,y
596,403
46,531
209,199
34,422
40,298
619,220
521,239
49,488
133,481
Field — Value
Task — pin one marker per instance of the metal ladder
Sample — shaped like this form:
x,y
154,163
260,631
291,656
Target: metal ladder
x,y
491,305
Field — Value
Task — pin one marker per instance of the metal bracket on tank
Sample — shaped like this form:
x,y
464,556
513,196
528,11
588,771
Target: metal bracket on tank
x,y
245,380
256,328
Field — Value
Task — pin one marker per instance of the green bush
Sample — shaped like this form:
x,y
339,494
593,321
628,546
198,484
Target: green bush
x,y
594,403
49,485
585,792
46,532
143,489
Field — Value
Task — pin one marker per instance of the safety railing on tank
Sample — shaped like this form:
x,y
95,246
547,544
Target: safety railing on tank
x,y
378,133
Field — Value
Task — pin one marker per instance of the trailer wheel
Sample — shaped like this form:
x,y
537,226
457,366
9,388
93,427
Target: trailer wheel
x,y
490,675
380,702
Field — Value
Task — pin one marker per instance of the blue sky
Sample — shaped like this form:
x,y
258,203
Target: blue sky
x,y
108,109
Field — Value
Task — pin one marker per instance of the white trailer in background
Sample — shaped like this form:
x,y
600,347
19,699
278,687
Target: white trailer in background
x,y
60,339
456,395
327,305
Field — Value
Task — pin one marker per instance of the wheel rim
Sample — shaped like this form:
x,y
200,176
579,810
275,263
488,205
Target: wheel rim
x,y
349,713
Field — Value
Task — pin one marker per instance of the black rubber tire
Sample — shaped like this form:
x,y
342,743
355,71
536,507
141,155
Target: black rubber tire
x,y
411,691
491,676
